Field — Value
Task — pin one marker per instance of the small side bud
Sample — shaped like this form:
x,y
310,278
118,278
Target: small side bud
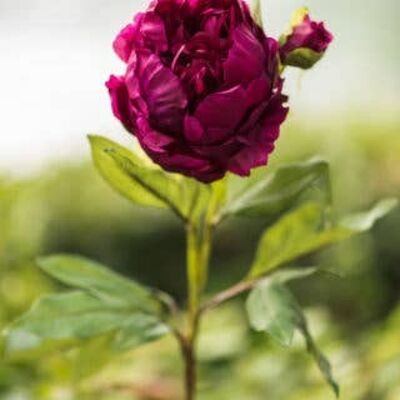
x,y
306,42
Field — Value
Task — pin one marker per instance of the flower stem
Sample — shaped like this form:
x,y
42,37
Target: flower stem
x,y
189,357
198,254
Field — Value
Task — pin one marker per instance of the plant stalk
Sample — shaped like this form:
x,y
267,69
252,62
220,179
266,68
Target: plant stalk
x,y
198,254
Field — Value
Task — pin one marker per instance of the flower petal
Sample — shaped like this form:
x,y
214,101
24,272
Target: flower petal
x,y
246,59
153,32
151,140
124,42
221,112
193,130
120,101
162,92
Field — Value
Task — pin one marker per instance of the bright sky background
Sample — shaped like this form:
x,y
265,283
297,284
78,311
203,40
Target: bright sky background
x,y
56,55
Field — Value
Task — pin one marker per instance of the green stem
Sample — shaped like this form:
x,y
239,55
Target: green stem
x,y
199,238
198,254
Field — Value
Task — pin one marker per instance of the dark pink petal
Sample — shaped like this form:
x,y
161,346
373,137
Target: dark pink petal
x,y
124,43
120,101
220,153
259,134
275,115
250,157
257,92
246,59
150,139
138,104
221,112
162,92
193,130
153,32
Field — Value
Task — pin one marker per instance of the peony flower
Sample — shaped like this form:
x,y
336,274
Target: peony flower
x,y
306,43
201,91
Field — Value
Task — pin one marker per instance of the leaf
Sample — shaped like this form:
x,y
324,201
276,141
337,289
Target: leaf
x,y
279,191
320,359
61,317
139,329
290,274
106,303
65,320
118,178
304,231
272,308
363,221
146,184
98,280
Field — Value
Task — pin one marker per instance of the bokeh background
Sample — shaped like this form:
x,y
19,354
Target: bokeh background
x,y
55,59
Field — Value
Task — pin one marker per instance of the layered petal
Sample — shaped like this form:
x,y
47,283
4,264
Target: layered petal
x,y
201,91
246,59
126,40
162,91
120,101
220,113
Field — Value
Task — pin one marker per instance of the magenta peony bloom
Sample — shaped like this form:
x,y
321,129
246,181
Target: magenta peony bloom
x,y
306,44
202,91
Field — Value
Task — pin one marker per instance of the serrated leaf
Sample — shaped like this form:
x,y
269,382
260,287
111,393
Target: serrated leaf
x,y
272,308
100,281
277,192
145,184
304,231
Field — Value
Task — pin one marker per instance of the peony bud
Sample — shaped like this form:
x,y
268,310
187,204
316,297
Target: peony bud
x,y
306,43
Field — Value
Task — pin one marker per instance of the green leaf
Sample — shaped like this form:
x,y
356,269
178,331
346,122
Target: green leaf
x,y
320,359
304,231
118,178
82,273
106,303
280,190
146,184
289,274
65,320
139,329
363,221
63,317
272,308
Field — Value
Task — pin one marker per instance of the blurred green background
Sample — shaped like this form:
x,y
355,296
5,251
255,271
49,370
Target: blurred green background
x,y
346,110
